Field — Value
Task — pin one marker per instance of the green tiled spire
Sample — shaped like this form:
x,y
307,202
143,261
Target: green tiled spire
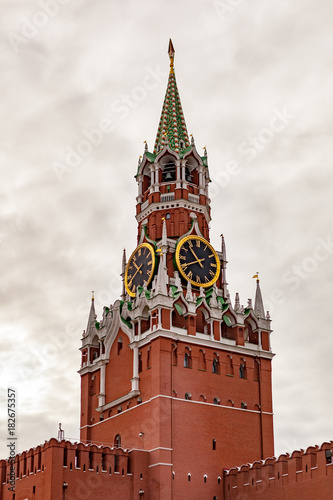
x,y
172,126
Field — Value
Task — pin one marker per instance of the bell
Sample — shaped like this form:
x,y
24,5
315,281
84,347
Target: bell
x,y
168,176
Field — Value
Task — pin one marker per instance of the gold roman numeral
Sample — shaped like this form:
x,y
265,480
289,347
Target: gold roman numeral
x,y
190,275
198,280
211,273
198,243
182,257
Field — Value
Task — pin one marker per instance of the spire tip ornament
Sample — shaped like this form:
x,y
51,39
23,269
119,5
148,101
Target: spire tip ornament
x,y
171,52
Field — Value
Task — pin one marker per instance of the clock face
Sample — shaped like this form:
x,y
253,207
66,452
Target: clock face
x,y
140,268
197,261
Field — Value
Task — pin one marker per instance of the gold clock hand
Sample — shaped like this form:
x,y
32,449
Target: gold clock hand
x,y
184,266
196,256
137,267
136,272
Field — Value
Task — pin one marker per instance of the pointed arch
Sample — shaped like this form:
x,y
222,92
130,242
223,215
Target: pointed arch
x,y
202,325
202,360
242,368
230,366
187,358
216,363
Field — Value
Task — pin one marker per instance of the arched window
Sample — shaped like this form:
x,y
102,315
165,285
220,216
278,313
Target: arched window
x,y
242,368
216,363
120,409
214,444
188,396
201,326
120,344
216,401
169,170
95,355
230,366
205,478
243,405
202,360
187,358
167,215
189,477
117,441
140,362
139,400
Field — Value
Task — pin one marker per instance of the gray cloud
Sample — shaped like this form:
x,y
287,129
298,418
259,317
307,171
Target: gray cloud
x,y
60,240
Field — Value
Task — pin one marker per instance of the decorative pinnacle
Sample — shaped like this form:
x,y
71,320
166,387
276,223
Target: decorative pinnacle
x,y
256,276
171,52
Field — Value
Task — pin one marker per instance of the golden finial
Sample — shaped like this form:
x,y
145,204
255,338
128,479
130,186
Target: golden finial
x,y
171,52
256,276
92,295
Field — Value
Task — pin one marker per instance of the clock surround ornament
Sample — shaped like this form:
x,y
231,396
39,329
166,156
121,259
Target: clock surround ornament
x,y
197,261
140,268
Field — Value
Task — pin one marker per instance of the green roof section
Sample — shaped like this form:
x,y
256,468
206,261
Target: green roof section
x,y
172,127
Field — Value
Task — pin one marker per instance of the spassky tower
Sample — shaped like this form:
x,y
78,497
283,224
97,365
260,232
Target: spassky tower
x,y
175,368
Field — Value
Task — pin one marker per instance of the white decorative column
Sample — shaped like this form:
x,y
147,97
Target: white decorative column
x,y
101,396
135,379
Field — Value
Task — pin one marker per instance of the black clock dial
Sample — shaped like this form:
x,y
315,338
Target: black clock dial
x,y
197,261
140,268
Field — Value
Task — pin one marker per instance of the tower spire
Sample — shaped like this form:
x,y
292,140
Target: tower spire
x,y
258,302
172,127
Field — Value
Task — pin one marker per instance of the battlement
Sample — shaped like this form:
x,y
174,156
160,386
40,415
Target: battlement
x,y
313,467
48,469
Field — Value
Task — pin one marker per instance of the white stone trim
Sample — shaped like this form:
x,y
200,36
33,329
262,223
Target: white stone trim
x,y
181,203
159,463
202,341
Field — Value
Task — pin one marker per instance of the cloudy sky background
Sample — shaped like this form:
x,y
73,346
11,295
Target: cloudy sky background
x,y
64,225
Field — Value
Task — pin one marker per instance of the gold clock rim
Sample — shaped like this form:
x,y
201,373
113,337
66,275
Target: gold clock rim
x,y
218,265
152,251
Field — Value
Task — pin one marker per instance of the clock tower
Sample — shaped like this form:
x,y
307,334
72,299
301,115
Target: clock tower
x,y
174,368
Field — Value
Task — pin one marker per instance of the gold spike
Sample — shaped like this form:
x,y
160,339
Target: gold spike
x,y
171,52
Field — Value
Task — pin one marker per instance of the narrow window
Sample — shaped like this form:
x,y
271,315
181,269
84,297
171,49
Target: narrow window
x,y
216,364
205,478
187,358
328,456
120,344
167,216
117,441
189,477
120,409
216,401
242,368
243,405
90,460
214,444
65,458
188,396
219,480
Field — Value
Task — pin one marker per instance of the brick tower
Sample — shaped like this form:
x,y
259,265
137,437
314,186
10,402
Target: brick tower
x,y
173,367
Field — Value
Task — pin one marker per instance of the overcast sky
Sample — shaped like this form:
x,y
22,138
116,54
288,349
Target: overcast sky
x,y
255,79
